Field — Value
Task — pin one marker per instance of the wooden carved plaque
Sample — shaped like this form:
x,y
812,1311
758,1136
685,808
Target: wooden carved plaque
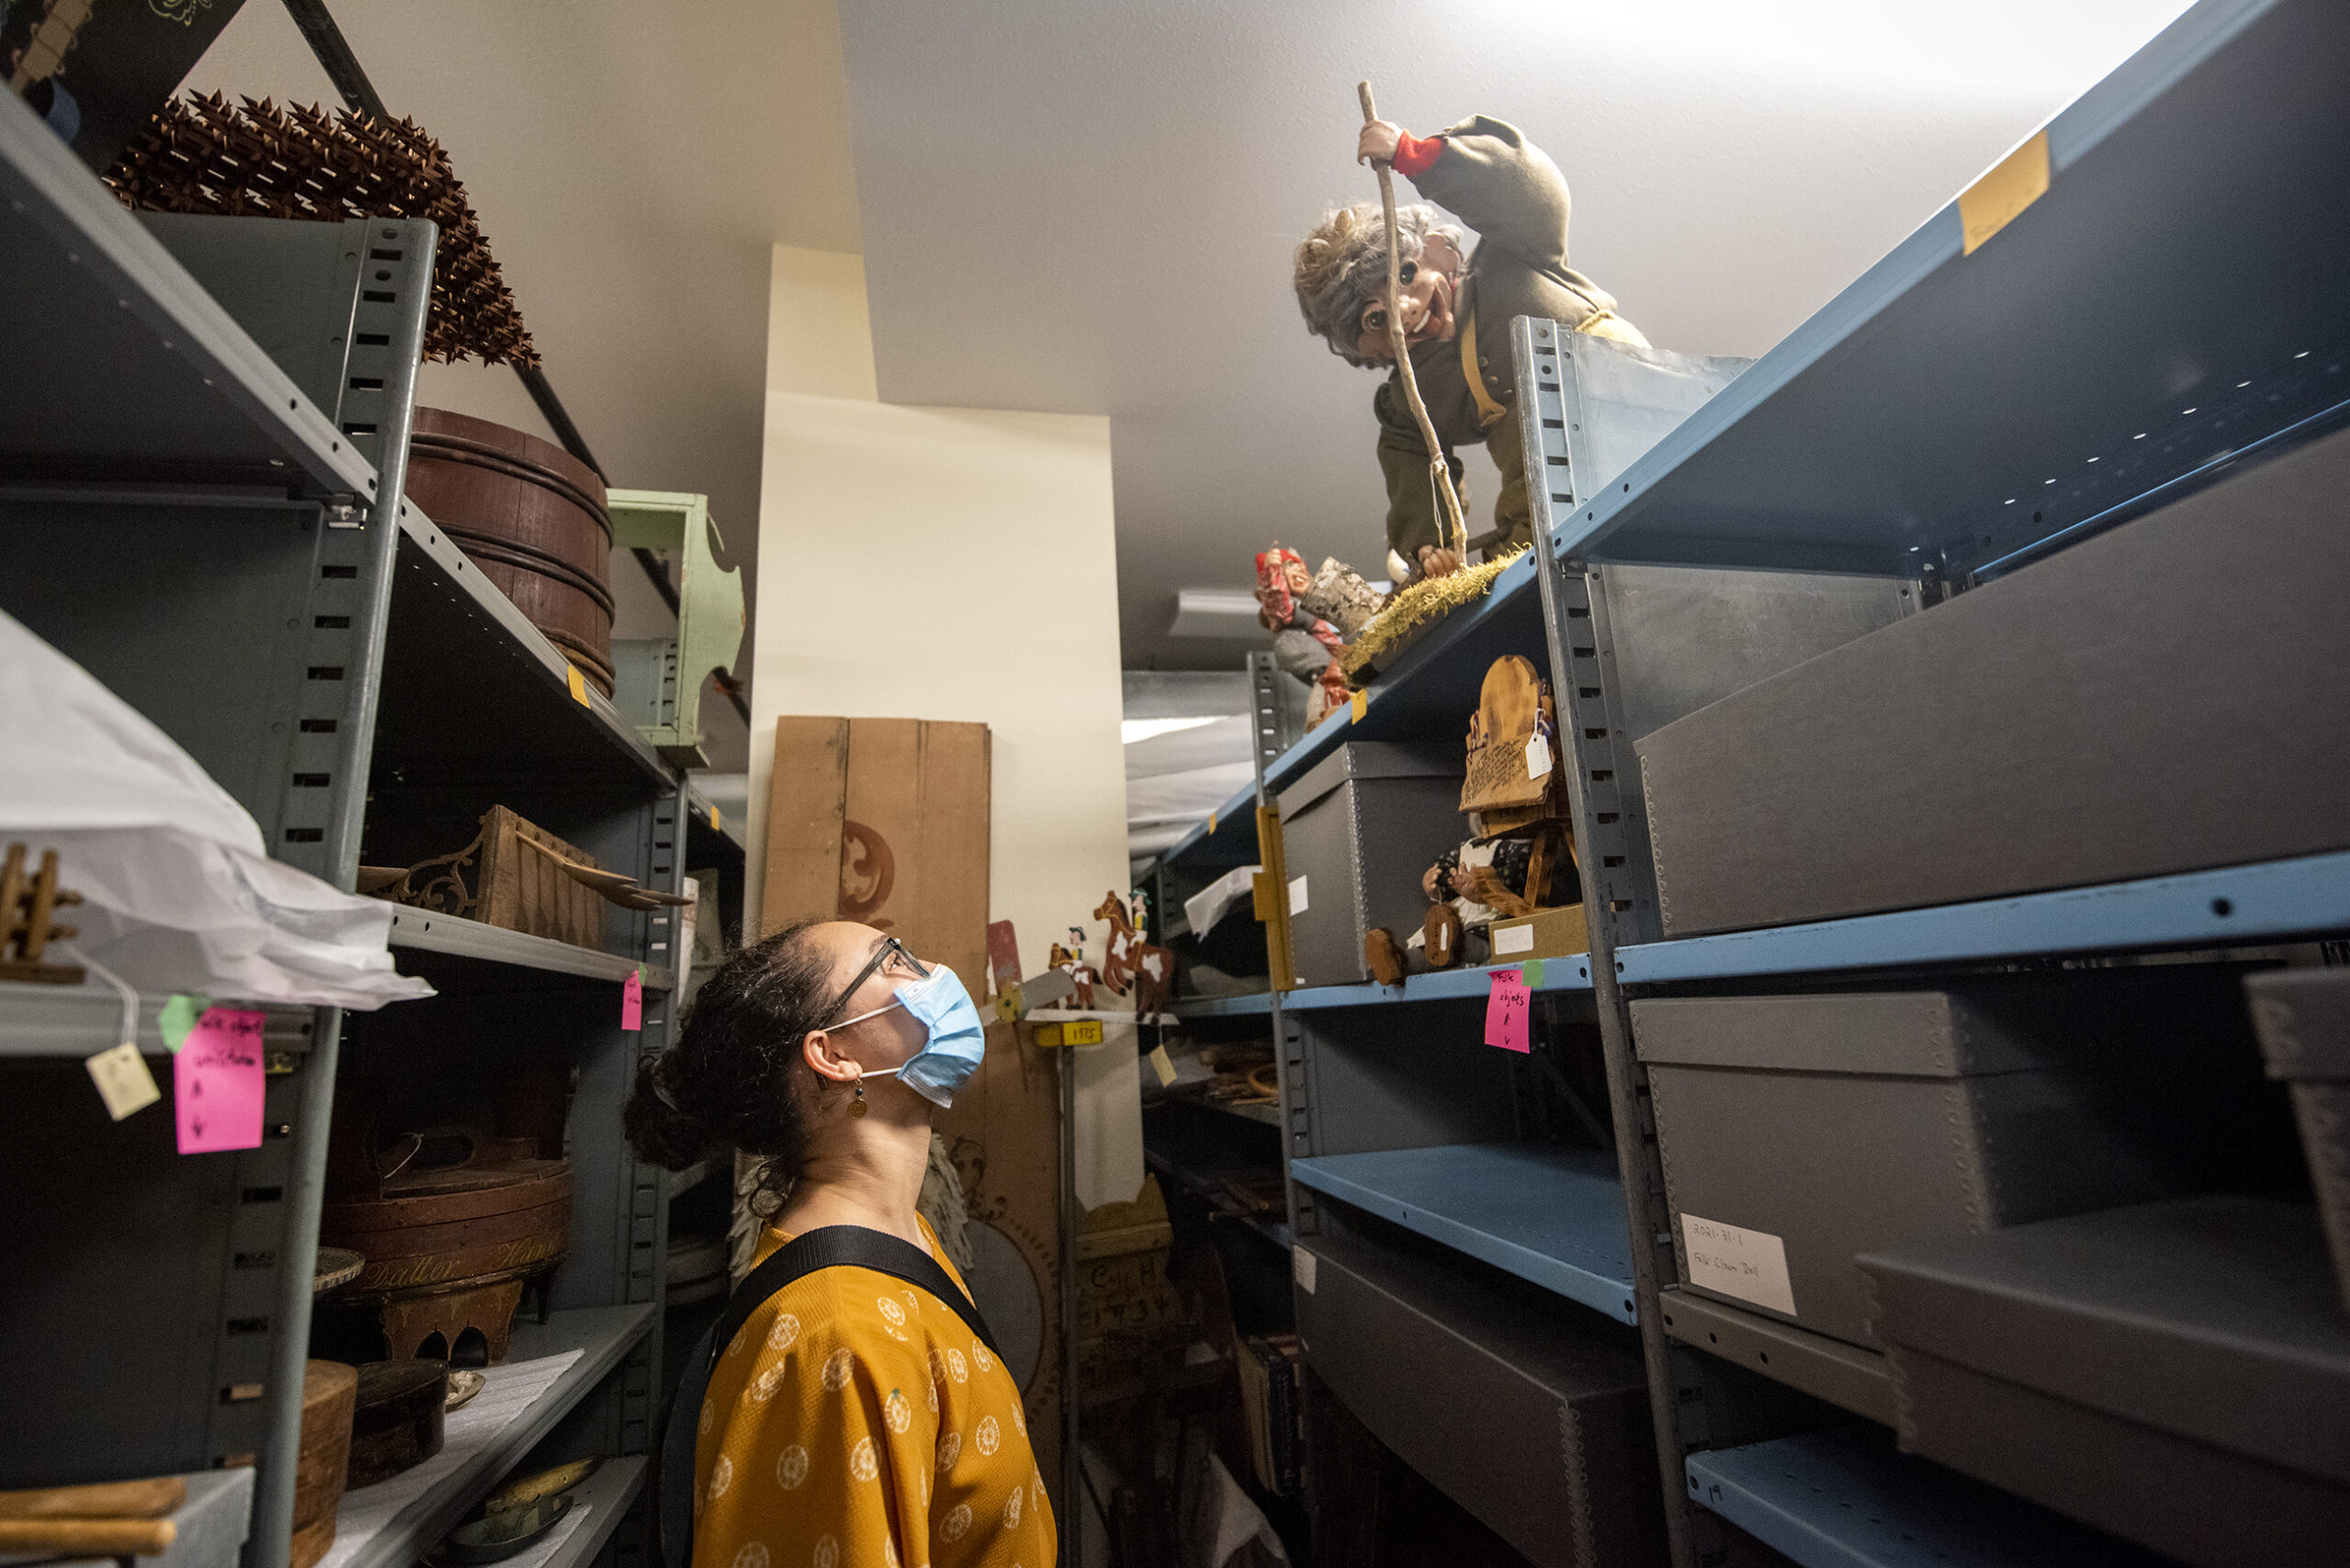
x,y
1512,710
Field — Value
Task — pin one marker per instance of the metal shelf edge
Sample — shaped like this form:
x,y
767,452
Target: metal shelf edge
x,y
2218,908
621,734
1845,1375
609,1493
428,932
58,194
605,1343
1611,1297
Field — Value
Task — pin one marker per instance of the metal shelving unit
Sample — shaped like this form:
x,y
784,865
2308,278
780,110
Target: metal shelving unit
x,y
198,418
1948,420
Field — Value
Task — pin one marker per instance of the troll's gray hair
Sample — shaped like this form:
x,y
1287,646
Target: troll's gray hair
x,y
1342,266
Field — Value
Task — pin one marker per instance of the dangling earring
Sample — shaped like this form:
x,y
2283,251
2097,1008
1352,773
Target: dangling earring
x,y
858,1107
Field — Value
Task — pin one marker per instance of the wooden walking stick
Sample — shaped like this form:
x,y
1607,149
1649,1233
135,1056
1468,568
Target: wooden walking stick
x,y
1440,472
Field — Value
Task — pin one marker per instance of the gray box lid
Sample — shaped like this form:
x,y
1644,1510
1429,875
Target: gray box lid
x,y
2304,1019
1998,1027
1375,759
2214,1317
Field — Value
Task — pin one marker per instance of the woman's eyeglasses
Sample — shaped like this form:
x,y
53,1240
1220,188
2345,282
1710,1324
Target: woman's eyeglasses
x,y
892,954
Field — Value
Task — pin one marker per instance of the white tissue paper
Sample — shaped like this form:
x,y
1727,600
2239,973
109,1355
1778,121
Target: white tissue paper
x,y
179,893
1211,903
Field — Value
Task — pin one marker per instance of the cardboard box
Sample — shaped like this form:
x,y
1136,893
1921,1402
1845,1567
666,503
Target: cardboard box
x,y
2170,695
883,821
1545,933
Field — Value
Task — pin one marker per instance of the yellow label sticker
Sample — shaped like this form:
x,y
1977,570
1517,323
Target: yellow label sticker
x,y
1161,1064
577,683
1991,203
1048,1035
1081,1032
1360,703
1211,823
717,824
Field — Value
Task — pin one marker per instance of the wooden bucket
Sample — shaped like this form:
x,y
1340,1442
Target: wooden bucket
x,y
330,1401
531,517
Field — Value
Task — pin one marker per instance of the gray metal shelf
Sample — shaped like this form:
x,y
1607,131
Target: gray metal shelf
x,y
197,416
603,1336
1551,1216
1844,1376
1845,1499
121,365
78,1021
611,1493
451,936
2228,907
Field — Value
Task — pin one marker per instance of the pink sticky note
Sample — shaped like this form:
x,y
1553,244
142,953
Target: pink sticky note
x,y
1507,1010
632,1002
216,1082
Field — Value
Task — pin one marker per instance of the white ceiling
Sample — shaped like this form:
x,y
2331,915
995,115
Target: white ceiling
x,y
632,166
1084,207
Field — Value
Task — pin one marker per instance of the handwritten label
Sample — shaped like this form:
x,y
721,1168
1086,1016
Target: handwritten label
x,y
1508,1007
1749,1264
1301,1269
123,1081
632,999
1509,939
179,1016
1538,756
1161,1066
1993,202
1360,703
216,1082
1297,903
1081,1032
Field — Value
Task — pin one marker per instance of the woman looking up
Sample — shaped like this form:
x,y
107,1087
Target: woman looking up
x,y
854,1419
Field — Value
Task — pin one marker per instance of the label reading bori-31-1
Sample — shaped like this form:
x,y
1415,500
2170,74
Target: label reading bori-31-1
x,y
1749,1264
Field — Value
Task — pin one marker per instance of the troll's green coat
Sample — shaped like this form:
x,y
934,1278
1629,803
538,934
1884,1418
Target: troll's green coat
x,y
1506,189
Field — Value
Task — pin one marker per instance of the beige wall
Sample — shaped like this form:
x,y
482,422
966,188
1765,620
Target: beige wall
x,y
942,564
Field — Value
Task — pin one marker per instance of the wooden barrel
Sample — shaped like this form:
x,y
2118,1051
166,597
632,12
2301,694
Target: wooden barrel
x,y
476,1225
330,1401
397,1425
531,517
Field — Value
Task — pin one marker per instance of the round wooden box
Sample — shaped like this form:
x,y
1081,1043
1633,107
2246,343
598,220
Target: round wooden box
x,y
531,517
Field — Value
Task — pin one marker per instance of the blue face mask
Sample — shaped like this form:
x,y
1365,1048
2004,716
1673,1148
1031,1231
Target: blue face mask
x,y
957,1038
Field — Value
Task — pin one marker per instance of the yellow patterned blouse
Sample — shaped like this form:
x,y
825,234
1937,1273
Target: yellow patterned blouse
x,y
856,1422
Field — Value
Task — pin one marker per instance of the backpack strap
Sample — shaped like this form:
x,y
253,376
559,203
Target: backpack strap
x,y
828,1246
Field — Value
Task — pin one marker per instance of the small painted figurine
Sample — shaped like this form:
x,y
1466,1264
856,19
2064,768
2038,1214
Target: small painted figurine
x,y
1304,644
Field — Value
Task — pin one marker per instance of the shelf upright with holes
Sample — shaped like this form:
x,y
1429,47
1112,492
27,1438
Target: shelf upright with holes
x,y
203,435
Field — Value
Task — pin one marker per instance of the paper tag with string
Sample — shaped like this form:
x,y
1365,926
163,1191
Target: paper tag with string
x,y
119,1071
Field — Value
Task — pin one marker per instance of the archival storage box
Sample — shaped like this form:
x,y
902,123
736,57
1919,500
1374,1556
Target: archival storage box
x,y
2303,1020
2176,1372
1357,831
2171,696
1437,1365
1796,1131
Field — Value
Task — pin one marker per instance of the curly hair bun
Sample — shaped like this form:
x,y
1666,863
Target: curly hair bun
x,y
659,1134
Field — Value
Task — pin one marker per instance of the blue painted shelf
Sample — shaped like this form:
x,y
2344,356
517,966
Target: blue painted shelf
x,y
1551,1216
1959,408
1844,1498
1449,985
2234,905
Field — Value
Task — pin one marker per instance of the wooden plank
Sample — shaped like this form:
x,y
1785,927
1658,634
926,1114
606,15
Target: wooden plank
x,y
806,802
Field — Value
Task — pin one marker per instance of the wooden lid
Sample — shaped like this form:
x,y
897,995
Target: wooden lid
x,y
390,1390
323,1381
